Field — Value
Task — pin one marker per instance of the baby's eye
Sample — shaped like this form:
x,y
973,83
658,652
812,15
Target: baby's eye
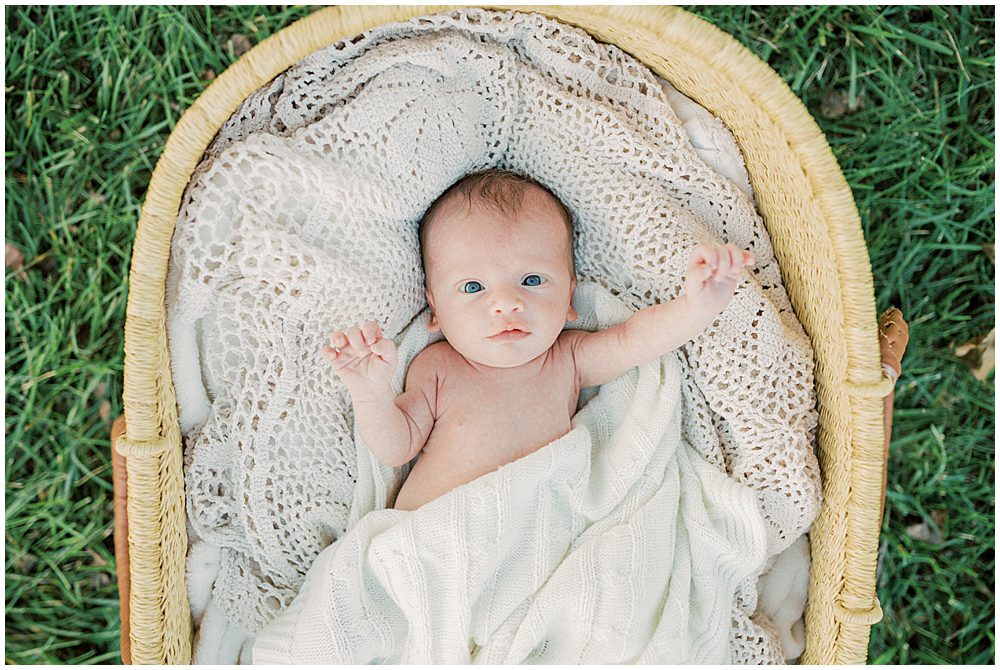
x,y
532,280
472,287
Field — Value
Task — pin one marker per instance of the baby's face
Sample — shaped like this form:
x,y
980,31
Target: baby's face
x,y
500,287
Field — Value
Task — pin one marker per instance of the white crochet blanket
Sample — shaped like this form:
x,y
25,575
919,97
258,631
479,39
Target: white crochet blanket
x,y
616,543
302,219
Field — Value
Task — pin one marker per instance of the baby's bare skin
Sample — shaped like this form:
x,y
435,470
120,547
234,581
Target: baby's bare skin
x,y
483,420
506,380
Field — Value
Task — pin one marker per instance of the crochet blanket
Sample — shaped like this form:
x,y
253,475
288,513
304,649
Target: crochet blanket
x,y
302,217
616,543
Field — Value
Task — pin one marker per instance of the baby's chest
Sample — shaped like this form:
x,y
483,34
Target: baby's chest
x,y
509,420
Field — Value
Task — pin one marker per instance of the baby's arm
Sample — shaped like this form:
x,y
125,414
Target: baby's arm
x,y
394,429
712,275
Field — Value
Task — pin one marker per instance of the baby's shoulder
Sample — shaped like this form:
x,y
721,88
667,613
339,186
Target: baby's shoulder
x,y
433,351
572,334
427,369
569,338
434,357
566,343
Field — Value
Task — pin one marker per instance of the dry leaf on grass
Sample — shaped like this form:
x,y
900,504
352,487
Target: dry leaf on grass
x,y
24,563
14,260
239,45
98,559
837,103
979,354
930,533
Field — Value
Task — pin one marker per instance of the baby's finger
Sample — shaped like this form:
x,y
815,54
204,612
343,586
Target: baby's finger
x,y
700,255
370,332
332,355
338,340
749,260
700,273
712,258
384,349
725,261
738,262
355,340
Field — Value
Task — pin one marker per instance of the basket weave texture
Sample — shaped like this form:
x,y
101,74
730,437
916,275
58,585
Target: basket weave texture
x,y
814,227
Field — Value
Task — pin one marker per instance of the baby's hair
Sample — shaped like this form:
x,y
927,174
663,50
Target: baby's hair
x,y
501,189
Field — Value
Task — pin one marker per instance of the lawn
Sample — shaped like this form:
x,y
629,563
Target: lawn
x,y
906,97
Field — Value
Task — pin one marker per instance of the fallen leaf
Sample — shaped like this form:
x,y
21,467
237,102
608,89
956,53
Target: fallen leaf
x,y
24,563
837,103
979,354
208,75
98,559
105,411
925,533
14,261
239,45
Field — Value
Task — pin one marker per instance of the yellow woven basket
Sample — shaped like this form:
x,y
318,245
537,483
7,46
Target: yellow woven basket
x,y
807,207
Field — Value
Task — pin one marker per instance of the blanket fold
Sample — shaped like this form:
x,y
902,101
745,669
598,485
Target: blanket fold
x,y
616,543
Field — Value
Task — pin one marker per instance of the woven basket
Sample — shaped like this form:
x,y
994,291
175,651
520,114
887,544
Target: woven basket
x,y
814,227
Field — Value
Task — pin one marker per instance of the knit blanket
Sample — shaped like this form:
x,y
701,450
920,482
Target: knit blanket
x,y
616,543
301,219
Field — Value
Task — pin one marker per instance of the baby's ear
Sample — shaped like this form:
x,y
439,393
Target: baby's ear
x,y
571,314
433,324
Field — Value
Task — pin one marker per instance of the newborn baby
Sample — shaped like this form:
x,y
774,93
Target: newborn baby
x,y
498,260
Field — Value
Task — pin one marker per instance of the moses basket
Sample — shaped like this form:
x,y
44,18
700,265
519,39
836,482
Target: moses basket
x,y
809,213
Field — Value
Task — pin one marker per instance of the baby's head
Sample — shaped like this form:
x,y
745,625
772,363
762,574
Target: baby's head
x,y
498,259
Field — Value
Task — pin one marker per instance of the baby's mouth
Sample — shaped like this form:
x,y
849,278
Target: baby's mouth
x,y
510,334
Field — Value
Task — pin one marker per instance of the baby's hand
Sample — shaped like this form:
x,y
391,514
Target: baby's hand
x,y
713,273
362,358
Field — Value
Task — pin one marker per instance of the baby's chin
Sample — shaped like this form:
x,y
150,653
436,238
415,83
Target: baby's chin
x,y
507,355
504,363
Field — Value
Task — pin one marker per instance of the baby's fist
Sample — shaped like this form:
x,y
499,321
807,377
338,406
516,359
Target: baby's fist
x,y
713,273
362,356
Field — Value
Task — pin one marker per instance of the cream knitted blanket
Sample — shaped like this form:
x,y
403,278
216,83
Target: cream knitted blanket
x,y
617,543
302,219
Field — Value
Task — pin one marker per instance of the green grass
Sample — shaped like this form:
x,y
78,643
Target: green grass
x,y
92,93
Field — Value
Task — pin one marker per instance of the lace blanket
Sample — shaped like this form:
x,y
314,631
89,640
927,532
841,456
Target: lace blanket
x,y
590,550
302,220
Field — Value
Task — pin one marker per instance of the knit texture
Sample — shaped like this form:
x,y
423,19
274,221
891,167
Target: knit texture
x,y
302,217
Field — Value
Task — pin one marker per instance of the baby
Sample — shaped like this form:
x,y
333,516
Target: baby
x,y
498,260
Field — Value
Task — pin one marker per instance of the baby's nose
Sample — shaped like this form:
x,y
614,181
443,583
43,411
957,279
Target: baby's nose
x,y
507,302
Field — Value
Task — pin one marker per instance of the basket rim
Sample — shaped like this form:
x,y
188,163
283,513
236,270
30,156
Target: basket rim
x,y
640,31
